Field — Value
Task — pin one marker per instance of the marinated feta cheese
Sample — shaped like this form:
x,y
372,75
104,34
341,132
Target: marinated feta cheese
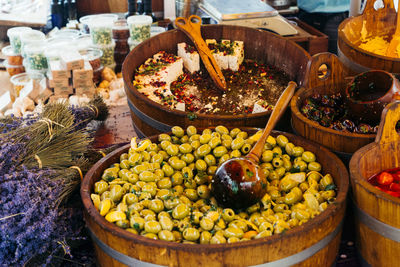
x,y
227,54
191,59
163,67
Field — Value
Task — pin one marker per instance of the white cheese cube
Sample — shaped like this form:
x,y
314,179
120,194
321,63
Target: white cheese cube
x,y
191,61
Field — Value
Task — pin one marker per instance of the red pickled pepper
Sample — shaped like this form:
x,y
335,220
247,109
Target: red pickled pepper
x,y
387,181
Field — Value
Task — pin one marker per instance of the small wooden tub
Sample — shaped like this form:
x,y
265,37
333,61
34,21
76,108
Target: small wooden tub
x,y
314,243
377,23
151,118
333,82
377,213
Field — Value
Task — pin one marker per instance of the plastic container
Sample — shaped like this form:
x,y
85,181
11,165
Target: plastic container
x,y
120,30
53,49
83,42
139,27
101,30
154,30
67,33
108,53
14,69
12,57
35,56
97,74
132,44
93,55
14,34
31,37
20,80
85,21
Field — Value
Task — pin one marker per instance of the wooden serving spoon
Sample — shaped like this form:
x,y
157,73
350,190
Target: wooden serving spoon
x,y
238,182
192,28
394,43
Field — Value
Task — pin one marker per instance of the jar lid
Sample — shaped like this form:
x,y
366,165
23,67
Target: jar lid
x,y
67,33
17,30
86,19
139,19
21,79
9,51
101,21
36,47
91,53
32,35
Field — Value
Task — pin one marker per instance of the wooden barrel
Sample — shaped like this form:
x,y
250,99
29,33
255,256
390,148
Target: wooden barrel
x,y
315,243
151,118
377,213
376,23
333,82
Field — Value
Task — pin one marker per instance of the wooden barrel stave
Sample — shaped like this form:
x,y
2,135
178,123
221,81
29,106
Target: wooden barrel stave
x,y
378,214
247,253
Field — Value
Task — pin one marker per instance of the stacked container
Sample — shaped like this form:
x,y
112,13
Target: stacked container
x,y
120,33
12,52
101,35
93,56
139,29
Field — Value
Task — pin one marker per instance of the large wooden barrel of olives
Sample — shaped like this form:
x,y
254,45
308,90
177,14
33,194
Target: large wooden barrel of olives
x,y
314,243
151,118
345,143
377,213
373,22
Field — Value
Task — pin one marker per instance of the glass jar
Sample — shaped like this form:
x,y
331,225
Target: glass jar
x,y
14,34
108,53
139,27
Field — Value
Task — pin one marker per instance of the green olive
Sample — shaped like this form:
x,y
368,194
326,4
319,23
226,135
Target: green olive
x,y
286,184
116,193
177,178
177,131
201,165
234,132
205,237
172,150
245,148
224,158
220,151
289,148
214,142
137,223
277,162
297,151
191,130
237,143
165,144
100,187
207,131
206,224
210,160
221,130
184,139
147,176
314,166
325,181
156,205
282,140
180,211
185,148
205,138
188,158
308,156
191,194
227,143
203,191
203,150
191,234
164,137
195,137
293,196
176,163
242,135
152,227
233,232
267,156
125,164
166,235
131,198
123,156
228,215
235,153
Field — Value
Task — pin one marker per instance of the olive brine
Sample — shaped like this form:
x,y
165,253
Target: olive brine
x,y
162,191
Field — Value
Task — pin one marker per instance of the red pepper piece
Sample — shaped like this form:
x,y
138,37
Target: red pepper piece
x,y
395,187
395,194
396,176
385,178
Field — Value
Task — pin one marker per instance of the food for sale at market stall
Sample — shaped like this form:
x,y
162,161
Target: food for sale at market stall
x,y
331,111
252,87
162,190
387,181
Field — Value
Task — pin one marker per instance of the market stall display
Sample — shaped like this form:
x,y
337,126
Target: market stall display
x,y
333,83
363,40
377,212
108,236
150,117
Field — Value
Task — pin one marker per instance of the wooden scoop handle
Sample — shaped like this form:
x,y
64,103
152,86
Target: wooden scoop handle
x,y
192,28
279,109
387,128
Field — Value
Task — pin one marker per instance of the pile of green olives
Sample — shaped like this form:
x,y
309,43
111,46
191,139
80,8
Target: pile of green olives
x,y
162,190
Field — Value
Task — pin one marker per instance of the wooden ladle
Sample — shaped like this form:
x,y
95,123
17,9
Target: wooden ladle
x,y
192,28
394,43
238,182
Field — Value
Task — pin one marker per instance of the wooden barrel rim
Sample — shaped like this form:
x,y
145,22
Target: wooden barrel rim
x,y
295,111
133,91
353,46
115,230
